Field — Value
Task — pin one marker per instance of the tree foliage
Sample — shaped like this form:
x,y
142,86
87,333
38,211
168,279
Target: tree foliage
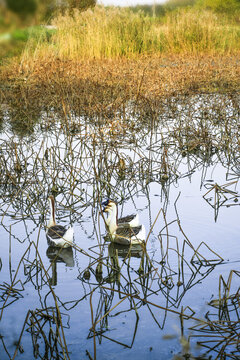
x,y
22,8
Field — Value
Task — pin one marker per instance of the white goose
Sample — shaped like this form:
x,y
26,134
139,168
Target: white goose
x,y
57,235
124,233
129,220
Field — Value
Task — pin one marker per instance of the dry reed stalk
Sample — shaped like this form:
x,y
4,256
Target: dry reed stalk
x,y
105,86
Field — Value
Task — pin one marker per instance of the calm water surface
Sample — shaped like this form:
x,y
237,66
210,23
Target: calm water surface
x,y
186,191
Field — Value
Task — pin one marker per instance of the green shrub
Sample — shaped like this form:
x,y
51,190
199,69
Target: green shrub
x,y
221,6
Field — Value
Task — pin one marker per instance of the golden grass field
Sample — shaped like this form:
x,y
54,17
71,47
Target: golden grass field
x,y
104,57
102,33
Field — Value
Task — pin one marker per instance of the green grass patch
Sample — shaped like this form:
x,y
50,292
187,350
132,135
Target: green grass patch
x,y
13,43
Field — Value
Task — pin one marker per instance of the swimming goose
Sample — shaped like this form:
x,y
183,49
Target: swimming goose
x,y
111,209
57,235
126,234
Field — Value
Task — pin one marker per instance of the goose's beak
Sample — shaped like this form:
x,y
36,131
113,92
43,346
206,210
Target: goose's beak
x,y
106,208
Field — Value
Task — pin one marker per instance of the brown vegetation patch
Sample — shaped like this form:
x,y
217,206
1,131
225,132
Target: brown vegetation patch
x,y
98,86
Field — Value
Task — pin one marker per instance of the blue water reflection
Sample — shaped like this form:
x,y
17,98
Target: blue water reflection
x,y
97,299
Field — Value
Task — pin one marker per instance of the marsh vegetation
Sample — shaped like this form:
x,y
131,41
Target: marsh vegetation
x,y
131,55
178,167
141,107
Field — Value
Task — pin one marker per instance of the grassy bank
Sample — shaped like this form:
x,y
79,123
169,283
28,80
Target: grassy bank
x,y
101,58
112,33
13,43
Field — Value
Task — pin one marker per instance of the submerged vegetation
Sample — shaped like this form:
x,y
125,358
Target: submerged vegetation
x,y
112,292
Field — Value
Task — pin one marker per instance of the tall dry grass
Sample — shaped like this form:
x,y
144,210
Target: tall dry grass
x,y
103,33
195,31
114,32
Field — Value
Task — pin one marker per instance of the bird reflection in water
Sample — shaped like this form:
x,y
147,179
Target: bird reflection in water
x,y
59,255
116,250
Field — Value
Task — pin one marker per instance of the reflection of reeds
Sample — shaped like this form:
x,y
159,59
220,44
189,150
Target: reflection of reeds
x,y
222,196
81,161
220,334
36,320
71,160
47,324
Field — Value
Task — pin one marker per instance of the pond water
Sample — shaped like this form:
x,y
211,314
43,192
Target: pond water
x,y
176,297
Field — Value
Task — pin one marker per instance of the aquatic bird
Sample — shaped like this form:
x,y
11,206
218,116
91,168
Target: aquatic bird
x,y
110,207
57,235
124,233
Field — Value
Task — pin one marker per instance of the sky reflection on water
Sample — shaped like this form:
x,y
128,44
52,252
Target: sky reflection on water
x,y
135,301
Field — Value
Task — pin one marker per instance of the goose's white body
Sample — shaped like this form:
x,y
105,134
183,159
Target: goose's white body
x,y
130,220
125,233
57,235
130,235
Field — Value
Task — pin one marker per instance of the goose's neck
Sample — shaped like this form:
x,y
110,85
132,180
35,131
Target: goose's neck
x,y
108,219
52,221
112,220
